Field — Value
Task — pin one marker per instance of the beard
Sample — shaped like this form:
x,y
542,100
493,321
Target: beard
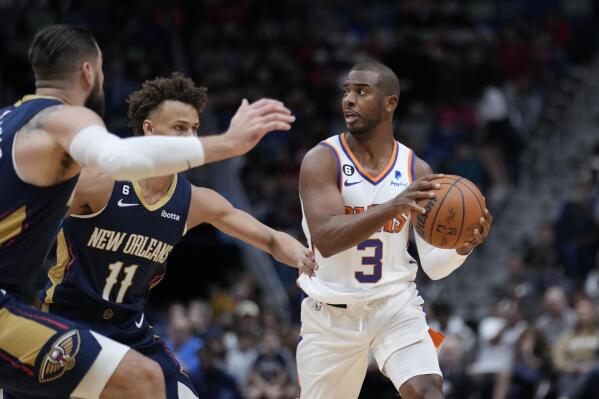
x,y
95,100
365,126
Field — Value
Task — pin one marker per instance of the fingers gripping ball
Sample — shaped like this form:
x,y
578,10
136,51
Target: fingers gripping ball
x,y
452,215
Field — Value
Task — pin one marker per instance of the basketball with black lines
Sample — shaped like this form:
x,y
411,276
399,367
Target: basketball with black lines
x,y
452,215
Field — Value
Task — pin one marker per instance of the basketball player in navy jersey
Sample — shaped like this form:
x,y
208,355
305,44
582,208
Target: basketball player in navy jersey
x,y
357,190
44,140
113,248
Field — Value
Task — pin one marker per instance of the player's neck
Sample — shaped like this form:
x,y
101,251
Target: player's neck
x,y
66,96
154,188
375,144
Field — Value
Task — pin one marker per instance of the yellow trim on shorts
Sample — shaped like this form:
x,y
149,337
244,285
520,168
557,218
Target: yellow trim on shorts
x,y
12,225
56,272
22,338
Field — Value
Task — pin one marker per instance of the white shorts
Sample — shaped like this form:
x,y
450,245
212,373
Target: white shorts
x,y
332,356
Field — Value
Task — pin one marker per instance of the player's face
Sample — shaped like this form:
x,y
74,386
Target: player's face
x,y
173,118
363,103
95,99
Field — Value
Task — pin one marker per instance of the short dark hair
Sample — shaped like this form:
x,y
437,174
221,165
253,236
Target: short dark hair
x,y
154,92
387,79
57,49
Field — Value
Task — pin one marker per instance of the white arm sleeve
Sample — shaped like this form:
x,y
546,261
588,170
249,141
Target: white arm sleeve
x,y
438,263
135,158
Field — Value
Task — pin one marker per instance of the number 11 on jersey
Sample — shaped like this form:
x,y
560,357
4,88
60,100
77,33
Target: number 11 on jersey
x,y
112,279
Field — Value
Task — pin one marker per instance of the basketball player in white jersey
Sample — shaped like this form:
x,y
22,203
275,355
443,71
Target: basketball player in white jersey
x,y
357,191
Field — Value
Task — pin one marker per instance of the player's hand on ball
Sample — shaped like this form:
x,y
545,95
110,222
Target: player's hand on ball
x,y
422,188
307,263
479,235
252,121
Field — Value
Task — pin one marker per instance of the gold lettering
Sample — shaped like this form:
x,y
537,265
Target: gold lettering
x,y
150,248
156,252
93,240
140,248
128,246
164,253
115,241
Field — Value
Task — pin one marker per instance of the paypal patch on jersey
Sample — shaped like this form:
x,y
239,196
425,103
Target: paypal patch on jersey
x,y
109,261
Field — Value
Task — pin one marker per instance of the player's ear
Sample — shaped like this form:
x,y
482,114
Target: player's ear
x,y
147,127
88,74
391,103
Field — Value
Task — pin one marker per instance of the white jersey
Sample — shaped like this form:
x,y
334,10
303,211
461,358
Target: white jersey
x,y
379,266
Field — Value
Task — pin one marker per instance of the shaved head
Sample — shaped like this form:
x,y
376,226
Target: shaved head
x,y
387,80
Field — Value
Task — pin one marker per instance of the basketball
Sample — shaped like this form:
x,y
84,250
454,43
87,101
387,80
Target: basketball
x,y
452,215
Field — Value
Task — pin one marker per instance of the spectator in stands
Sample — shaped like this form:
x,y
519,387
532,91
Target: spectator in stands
x,y
270,377
210,379
247,317
180,339
522,281
577,352
557,316
543,254
200,316
240,358
498,334
451,324
457,384
588,386
531,372
577,234
591,285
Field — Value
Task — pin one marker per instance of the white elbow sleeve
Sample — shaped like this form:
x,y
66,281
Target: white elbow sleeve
x,y
438,263
136,157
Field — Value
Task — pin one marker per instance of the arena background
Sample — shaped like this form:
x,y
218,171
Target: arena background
x,y
503,92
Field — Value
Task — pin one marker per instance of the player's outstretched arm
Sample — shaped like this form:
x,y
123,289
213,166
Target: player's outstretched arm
x,y
82,134
210,207
331,229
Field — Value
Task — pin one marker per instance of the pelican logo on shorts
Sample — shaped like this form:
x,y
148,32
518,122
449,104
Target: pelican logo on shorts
x,y
61,357
317,306
170,215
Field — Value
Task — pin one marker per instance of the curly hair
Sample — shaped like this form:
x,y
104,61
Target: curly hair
x,y
154,92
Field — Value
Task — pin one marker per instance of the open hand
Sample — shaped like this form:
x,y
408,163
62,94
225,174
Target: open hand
x,y
407,200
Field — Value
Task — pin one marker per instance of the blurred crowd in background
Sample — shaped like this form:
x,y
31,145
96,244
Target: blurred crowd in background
x,y
475,76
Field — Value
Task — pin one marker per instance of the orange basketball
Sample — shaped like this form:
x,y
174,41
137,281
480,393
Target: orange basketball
x,y
452,215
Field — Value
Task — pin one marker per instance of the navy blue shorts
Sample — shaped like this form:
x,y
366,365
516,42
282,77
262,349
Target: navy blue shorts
x,y
41,355
137,334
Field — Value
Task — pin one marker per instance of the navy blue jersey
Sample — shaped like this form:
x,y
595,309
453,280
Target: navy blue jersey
x,y
29,215
109,261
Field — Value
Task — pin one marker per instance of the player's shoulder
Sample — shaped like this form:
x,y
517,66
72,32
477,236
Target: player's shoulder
x,y
320,164
324,150
63,119
421,168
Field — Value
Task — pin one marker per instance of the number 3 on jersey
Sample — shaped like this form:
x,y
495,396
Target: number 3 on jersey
x,y
374,261
112,279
